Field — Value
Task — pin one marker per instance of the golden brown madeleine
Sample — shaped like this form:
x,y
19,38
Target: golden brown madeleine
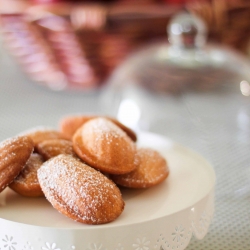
x,y
39,134
152,170
79,191
127,130
26,183
54,147
104,146
14,153
69,124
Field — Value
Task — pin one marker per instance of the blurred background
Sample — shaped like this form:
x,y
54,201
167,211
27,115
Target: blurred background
x,y
177,68
78,43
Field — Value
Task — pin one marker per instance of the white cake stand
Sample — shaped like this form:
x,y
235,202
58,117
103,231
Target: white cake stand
x,y
163,217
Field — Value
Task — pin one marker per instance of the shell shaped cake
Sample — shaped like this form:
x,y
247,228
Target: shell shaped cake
x,y
53,147
79,191
70,123
14,152
106,147
152,170
42,133
26,183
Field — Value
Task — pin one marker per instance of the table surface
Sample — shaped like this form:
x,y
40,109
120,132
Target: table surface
x,y
215,125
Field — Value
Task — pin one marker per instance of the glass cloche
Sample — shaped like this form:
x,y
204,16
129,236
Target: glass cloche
x,y
197,94
176,85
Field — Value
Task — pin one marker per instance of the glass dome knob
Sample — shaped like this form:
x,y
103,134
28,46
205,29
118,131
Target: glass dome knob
x,y
187,31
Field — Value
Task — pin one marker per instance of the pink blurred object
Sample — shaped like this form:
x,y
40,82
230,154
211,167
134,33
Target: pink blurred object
x,y
77,46
32,53
45,1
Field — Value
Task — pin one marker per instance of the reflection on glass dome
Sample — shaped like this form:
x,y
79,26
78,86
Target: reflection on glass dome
x,y
129,113
245,88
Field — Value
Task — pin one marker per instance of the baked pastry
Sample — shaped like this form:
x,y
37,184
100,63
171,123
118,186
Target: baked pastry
x,y
14,153
69,124
105,146
54,147
39,134
26,183
152,170
79,191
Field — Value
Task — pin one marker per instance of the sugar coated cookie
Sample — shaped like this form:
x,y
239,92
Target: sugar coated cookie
x,y
79,191
105,146
152,170
14,153
26,183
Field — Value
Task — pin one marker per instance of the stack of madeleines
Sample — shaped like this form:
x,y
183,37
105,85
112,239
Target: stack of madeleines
x,y
80,167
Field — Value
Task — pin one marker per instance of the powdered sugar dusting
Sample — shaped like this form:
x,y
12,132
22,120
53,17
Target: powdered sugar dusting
x,y
80,191
152,170
105,130
54,147
14,152
8,148
10,142
105,146
28,175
